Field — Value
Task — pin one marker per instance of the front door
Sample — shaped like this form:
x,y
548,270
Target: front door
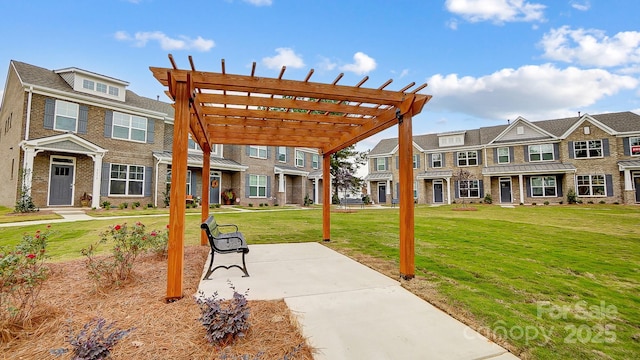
x,y
382,193
437,192
636,181
505,190
214,191
61,185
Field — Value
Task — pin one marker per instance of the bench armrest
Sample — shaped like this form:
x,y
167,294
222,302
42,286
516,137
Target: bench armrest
x,y
229,225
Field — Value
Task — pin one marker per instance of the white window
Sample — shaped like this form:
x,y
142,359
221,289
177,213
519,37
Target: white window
x,y
469,189
100,87
587,149
543,186
416,160
114,91
66,118
168,182
258,186
299,158
192,145
542,152
282,154
381,164
467,158
259,152
129,127
503,155
634,145
126,180
315,161
591,185
88,84
436,160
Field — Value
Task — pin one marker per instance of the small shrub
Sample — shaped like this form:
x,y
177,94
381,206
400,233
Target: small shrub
x,y
121,206
94,341
135,204
561,202
546,203
250,204
276,204
224,320
534,204
602,202
307,200
157,242
150,206
590,202
105,205
572,198
616,203
261,205
266,204
488,199
521,203
22,273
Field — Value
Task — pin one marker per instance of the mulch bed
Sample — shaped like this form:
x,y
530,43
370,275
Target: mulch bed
x,y
162,330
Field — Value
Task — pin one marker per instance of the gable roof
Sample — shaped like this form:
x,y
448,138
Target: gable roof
x,y
49,79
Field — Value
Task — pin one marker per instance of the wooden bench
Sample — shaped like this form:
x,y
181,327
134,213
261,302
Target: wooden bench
x,y
224,243
352,201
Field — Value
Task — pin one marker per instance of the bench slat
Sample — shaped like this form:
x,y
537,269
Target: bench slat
x,y
224,243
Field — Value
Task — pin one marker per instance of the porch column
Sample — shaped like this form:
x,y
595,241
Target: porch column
x,y
316,191
521,186
97,180
281,182
388,187
326,197
175,249
628,182
206,185
405,149
448,180
29,155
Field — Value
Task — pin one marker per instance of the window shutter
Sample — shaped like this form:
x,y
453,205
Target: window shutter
x,y
526,153
627,146
455,159
495,156
397,162
429,161
248,149
288,154
49,113
104,184
397,190
444,155
268,152
605,148
151,124
108,123
608,178
386,164
511,151
481,189
83,119
556,151
418,163
559,186
268,186
572,153
147,180
194,183
456,189
527,181
247,188
479,157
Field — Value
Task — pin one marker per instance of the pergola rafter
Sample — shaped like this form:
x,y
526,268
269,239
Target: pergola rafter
x,y
221,108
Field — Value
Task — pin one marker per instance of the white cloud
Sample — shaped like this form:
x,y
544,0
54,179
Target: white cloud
x,y
286,57
362,64
539,90
141,39
592,47
497,11
580,5
259,2
326,64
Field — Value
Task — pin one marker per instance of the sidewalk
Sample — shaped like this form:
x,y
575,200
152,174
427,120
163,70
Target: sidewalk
x,y
349,311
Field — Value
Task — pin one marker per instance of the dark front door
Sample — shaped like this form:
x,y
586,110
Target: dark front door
x,y
505,190
382,194
437,192
61,184
636,180
214,191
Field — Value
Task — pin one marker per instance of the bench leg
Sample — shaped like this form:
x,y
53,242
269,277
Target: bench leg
x,y
212,269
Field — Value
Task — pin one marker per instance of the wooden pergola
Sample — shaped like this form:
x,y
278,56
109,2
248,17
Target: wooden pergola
x,y
221,108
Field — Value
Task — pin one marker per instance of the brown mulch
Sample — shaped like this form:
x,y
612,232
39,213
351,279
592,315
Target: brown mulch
x,y
162,330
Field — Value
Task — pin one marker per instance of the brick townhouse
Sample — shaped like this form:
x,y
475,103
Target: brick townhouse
x,y
596,156
71,132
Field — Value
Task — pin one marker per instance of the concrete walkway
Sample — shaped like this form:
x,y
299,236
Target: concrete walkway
x,y
349,311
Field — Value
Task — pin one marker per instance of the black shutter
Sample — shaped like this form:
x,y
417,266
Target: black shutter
x,y
456,188
627,146
605,148
527,181
572,153
430,161
526,153
49,112
559,185
147,180
608,178
104,184
83,119
556,151
247,187
495,156
268,186
150,130
108,123
479,157
481,189
511,159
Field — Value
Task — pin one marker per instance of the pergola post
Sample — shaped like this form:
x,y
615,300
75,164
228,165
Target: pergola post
x,y
177,208
326,197
405,149
206,185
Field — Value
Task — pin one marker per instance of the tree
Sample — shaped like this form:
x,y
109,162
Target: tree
x,y
462,177
344,165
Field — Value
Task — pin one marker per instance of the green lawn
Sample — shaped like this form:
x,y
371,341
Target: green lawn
x,y
8,216
554,281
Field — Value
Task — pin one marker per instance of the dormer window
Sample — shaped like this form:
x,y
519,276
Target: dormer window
x,y
100,87
88,84
114,91
451,139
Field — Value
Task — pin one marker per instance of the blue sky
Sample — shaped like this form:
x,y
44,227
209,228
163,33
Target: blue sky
x,y
486,61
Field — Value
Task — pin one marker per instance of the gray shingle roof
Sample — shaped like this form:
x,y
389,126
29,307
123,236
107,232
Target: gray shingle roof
x,y
529,168
385,146
625,121
378,176
194,159
38,76
435,174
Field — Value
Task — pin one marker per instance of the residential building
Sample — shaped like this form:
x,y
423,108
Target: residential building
x,y
71,132
523,162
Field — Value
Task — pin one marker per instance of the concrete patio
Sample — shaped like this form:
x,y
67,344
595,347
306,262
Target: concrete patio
x,y
347,310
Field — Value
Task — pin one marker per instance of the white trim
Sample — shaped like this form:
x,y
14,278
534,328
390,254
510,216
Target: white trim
x,y
595,122
516,123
